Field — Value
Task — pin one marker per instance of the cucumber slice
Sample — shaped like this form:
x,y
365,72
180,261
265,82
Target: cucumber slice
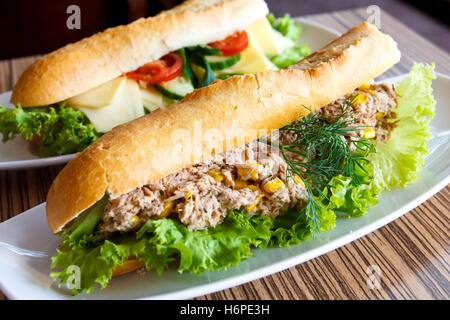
x,y
175,89
221,62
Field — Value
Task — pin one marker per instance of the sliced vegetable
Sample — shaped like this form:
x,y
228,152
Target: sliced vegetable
x,y
175,89
203,50
165,69
187,69
208,76
220,62
233,44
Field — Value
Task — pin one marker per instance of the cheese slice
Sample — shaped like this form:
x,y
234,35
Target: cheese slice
x,y
152,98
252,59
282,42
271,41
99,96
126,105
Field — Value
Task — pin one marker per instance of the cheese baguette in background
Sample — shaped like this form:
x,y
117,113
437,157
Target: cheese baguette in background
x,y
75,94
145,150
93,61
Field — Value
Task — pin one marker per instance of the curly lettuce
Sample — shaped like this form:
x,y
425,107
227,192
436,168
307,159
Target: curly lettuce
x,y
397,162
159,242
55,130
292,30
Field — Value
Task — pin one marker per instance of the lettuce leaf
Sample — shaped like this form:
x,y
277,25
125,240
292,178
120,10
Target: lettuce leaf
x,y
354,200
287,26
95,263
397,162
160,242
290,56
81,232
292,30
57,131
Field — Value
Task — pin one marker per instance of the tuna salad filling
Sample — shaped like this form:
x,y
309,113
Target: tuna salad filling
x,y
253,177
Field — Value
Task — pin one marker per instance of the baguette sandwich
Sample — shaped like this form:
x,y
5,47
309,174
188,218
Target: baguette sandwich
x,y
70,97
252,161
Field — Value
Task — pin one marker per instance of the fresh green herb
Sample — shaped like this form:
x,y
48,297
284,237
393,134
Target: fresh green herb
x,y
325,153
56,130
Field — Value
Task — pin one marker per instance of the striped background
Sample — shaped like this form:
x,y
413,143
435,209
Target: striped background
x,y
412,252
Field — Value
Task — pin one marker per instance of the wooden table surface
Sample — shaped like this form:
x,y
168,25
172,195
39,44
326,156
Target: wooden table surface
x,y
412,252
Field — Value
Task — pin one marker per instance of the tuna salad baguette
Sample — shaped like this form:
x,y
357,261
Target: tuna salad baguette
x,y
70,97
251,161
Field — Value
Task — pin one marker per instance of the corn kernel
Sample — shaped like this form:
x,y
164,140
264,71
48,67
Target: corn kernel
x,y
369,133
134,221
240,184
168,206
248,171
365,86
253,187
359,98
216,174
273,185
250,207
379,115
187,195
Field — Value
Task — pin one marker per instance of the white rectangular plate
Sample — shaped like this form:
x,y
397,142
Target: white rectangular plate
x,y
24,277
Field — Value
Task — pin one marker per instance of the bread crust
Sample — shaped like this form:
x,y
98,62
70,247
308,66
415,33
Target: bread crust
x,y
127,266
92,61
233,112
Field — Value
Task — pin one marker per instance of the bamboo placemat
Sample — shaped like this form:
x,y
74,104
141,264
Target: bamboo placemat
x,y
411,252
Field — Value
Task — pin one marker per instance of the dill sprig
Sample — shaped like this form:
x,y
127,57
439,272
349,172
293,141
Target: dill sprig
x,y
325,152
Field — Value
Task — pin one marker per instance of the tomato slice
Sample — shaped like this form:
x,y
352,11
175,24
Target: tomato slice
x,y
165,69
231,45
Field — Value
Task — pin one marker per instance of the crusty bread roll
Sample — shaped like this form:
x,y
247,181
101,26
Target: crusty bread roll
x,y
214,119
104,56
